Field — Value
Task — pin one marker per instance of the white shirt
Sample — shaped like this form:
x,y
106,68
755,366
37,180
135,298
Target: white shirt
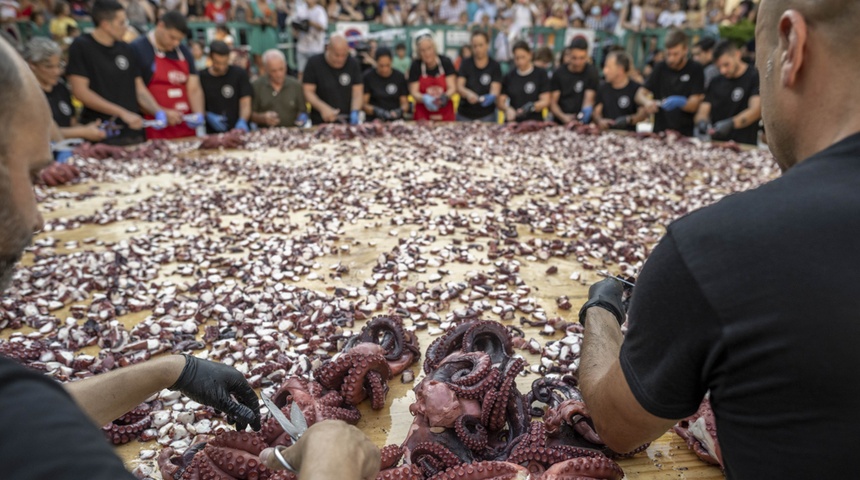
x,y
669,19
8,9
313,41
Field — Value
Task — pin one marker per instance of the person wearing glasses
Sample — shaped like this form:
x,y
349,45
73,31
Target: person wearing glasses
x,y
432,82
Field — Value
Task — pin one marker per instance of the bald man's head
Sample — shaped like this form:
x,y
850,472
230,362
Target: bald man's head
x,y
337,52
10,92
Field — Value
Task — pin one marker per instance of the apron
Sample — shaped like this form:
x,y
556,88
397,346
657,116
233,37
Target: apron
x,y
168,87
434,86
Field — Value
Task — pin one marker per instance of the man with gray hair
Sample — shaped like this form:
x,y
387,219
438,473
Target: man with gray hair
x,y
753,299
278,99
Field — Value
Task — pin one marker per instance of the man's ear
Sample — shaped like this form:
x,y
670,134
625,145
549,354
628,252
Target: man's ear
x,y
793,32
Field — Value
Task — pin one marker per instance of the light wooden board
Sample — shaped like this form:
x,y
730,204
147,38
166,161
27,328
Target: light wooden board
x,y
668,457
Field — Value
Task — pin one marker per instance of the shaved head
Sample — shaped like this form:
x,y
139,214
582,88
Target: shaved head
x,y
337,51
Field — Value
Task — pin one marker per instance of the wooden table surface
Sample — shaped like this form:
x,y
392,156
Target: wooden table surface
x,y
668,457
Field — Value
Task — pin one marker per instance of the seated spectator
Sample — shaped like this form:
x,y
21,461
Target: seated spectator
x,y
278,100
139,12
673,17
62,21
43,56
464,53
333,84
525,90
594,20
393,15
401,62
450,10
651,14
385,90
349,11
227,92
198,54
488,10
80,9
557,18
25,8
38,26
218,11
222,34
617,107
370,10
420,16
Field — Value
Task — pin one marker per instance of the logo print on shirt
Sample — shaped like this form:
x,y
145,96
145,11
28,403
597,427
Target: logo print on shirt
x,y
391,89
227,91
737,94
343,79
529,87
176,77
685,77
624,102
485,79
65,109
121,62
578,87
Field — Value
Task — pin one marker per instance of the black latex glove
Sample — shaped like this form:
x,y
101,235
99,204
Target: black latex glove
x,y
723,129
529,107
395,114
443,100
213,384
703,126
621,122
380,113
605,294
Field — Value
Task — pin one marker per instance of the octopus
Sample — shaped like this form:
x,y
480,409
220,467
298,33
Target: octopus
x,y
129,426
700,433
100,151
487,336
534,451
399,347
357,375
229,455
528,126
230,140
317,403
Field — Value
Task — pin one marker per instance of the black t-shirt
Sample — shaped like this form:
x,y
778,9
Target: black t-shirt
x,y
729,97
112,72
369,10
60,101
334,85
146,57
618,102
522,89
447,65
39,417
479,81
222,94
665,82
754,298
573,86
385,92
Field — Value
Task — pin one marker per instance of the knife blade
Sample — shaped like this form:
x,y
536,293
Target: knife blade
x,y
294,430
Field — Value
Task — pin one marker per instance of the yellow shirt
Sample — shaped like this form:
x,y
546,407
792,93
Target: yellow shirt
x,y
60,26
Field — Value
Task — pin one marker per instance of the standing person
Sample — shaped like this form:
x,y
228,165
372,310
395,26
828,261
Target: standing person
x,y
401,62
264,35
703,52
732,103
525,90
226,91
450,10
218,11
167,68
673,17
432,82
617,107
312,41
574,85
278,100
707,314
385,90
679,82
104,75
479,82
502,45
61,22
333,84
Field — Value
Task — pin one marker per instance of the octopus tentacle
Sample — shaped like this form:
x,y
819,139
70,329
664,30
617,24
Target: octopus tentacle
x,y
483,471
448,343
403,472
377,388
433,458
584,467
507,387
471,432
490,337
389,456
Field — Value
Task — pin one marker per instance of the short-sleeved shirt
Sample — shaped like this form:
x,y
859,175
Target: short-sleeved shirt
x,y
288,102
479,80
112,72
334,85
754,299
665,82
60,101
385,92
369,10
618,102
522,89
146,57
222,94
415,70
572,86
729,97
38,416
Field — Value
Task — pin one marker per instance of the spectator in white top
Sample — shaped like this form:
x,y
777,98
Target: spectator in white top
x,y
486,8
524,14
576,12
310,42
450,10
392,14
674,17
420,16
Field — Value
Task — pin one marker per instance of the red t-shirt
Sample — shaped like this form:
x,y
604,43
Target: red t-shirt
x,y
216,14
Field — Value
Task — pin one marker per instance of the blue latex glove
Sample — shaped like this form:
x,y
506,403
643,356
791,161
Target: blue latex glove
x,y
194,120
585,114
216,122
161,118
674,103
354,118
430,102
488,100
241,124
302,119
63,156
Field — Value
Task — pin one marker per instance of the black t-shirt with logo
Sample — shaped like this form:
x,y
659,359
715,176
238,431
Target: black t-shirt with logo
x,y
385,92
222,94
334,85
665,82
112,72
573,86
479,81
729,97
522,89
60,101
618,102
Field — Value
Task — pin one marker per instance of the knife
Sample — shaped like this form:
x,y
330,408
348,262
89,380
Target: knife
x,y
295,428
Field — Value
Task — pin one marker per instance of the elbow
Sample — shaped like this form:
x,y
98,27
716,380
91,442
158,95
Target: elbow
x,y
619,440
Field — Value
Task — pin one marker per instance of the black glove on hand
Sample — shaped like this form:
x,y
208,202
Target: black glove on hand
x,y
443,100
723,129
213,384
529,107
703,126
605,294
395,114
621,122
380,113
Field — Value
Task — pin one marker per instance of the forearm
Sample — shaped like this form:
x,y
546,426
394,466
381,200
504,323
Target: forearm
x,y
195,97
259,118
452,86
703,113
57,133
693,102
78,131
245,108
747,117
108,396
315,101
543,102
94,101
357,99
147,101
